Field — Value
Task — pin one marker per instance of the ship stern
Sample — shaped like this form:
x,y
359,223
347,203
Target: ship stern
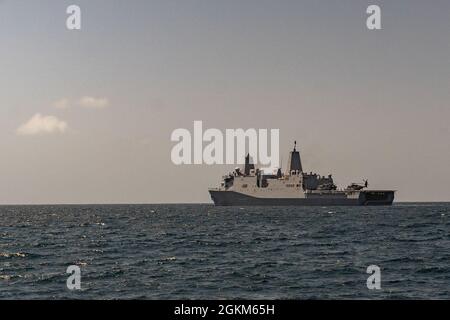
x,y
376,197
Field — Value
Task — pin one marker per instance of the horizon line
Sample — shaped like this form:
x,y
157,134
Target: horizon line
x,y
181,203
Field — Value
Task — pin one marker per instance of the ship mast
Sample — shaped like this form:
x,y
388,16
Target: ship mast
x,y
294,161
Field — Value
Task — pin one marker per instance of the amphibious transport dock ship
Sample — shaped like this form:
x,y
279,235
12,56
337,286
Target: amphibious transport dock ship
x,y
292,188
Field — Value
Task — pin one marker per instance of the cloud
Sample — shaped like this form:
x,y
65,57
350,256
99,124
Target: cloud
x,y
39,124
86,102
62,104
91,102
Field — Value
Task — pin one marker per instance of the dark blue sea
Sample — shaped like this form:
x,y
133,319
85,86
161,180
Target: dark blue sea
x,y
207,252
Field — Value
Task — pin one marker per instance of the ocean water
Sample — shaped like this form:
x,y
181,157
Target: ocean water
x,y
207,252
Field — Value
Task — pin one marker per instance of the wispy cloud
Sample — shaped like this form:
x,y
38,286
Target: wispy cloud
x,y
63,103
91,102
85,102
39,124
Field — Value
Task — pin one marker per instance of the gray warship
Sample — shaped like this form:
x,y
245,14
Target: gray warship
x,y
294,187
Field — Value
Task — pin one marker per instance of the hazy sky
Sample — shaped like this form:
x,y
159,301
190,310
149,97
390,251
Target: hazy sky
x,y
360,103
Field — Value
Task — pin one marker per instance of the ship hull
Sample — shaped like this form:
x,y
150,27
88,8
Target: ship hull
x,y
365,198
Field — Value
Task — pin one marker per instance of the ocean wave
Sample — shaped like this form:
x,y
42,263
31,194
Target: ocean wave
x,y
12,255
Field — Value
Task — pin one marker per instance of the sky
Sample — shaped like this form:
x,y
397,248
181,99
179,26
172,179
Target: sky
x,y
86,115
